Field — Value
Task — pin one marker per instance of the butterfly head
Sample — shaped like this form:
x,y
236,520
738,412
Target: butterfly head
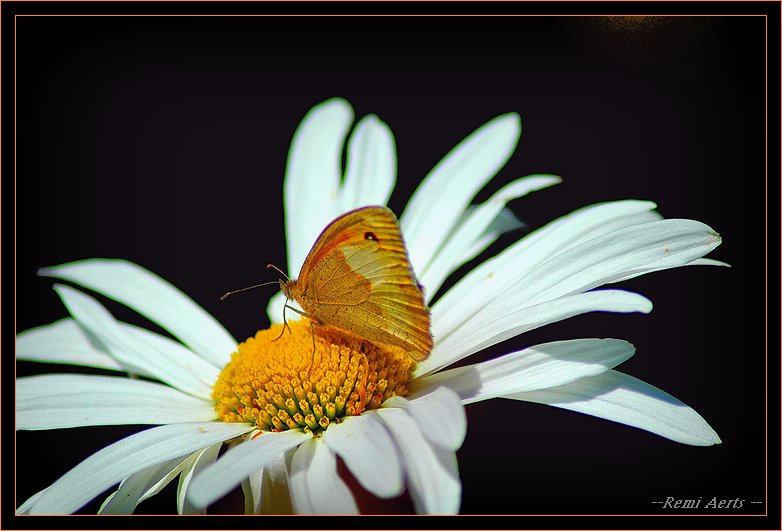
x,y
287,284
288,287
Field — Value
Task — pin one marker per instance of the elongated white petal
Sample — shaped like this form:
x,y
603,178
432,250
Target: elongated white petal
x,y
316,488
154,298
239,462
709,262
432,478
450,255
63,341
369,453
495,276
637,249
370,172
312,177
644,271
126,457
441,198
194,465
28,503
439,413
251,489
275,495
54,401
66,342
108,499
621,398
198,368
666,243
178,367
128,496
165,480
505,221
159,483
508,318
539,367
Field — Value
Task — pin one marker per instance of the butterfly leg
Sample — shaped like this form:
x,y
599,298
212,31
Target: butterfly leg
x,y
285,320
295,310
284,326
312,328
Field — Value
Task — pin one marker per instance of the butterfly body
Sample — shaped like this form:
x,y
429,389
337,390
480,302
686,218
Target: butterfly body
x,y
358,277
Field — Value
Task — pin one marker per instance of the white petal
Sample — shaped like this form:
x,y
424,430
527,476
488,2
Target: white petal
x,y
637,249
251,485
128,496
66,342
238,463
276,492
316,488
312,177
621,398
432,478
439,413
508,318
126,457
495,276
63,341
441,198
54,401
506,221
25,507
539,367
698,262
369,452
370,172
108,499
195,464
276,306
666,243
154,298
251,489
179,368
165,480
195,366
457,245
709,262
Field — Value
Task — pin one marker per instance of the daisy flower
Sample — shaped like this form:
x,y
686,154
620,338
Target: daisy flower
x,y
286,414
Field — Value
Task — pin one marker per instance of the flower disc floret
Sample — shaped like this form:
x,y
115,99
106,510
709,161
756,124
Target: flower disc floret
x,y
281,384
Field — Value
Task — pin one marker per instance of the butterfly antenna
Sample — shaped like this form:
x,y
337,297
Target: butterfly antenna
x,y
247,288
272,266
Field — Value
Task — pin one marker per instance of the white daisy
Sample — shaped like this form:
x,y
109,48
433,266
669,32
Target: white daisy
x,y
396,426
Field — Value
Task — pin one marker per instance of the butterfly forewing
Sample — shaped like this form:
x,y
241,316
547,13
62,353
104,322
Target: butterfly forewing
x,y
358,277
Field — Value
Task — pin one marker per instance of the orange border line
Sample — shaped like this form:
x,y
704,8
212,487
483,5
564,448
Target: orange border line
x,y
675,515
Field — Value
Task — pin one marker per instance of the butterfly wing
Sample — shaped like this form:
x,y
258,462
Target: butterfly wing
x,y
358,277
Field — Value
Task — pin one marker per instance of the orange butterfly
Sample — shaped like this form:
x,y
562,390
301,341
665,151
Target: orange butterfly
x,y
358,277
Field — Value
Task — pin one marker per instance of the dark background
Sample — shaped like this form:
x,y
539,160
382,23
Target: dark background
x,y
163,140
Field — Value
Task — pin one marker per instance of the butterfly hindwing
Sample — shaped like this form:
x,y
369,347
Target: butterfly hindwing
x,y
358,277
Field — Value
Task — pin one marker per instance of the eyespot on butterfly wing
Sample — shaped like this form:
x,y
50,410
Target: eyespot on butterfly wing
x,y
358,277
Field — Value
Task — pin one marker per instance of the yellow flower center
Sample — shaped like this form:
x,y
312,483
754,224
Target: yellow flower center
x,y
281,384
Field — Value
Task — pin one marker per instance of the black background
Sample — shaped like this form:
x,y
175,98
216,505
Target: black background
x,y
163,140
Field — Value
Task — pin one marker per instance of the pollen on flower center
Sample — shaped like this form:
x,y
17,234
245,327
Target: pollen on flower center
x,y
281,384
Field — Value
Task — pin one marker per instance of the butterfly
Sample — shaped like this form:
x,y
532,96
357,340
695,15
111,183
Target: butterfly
x,y
358,277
